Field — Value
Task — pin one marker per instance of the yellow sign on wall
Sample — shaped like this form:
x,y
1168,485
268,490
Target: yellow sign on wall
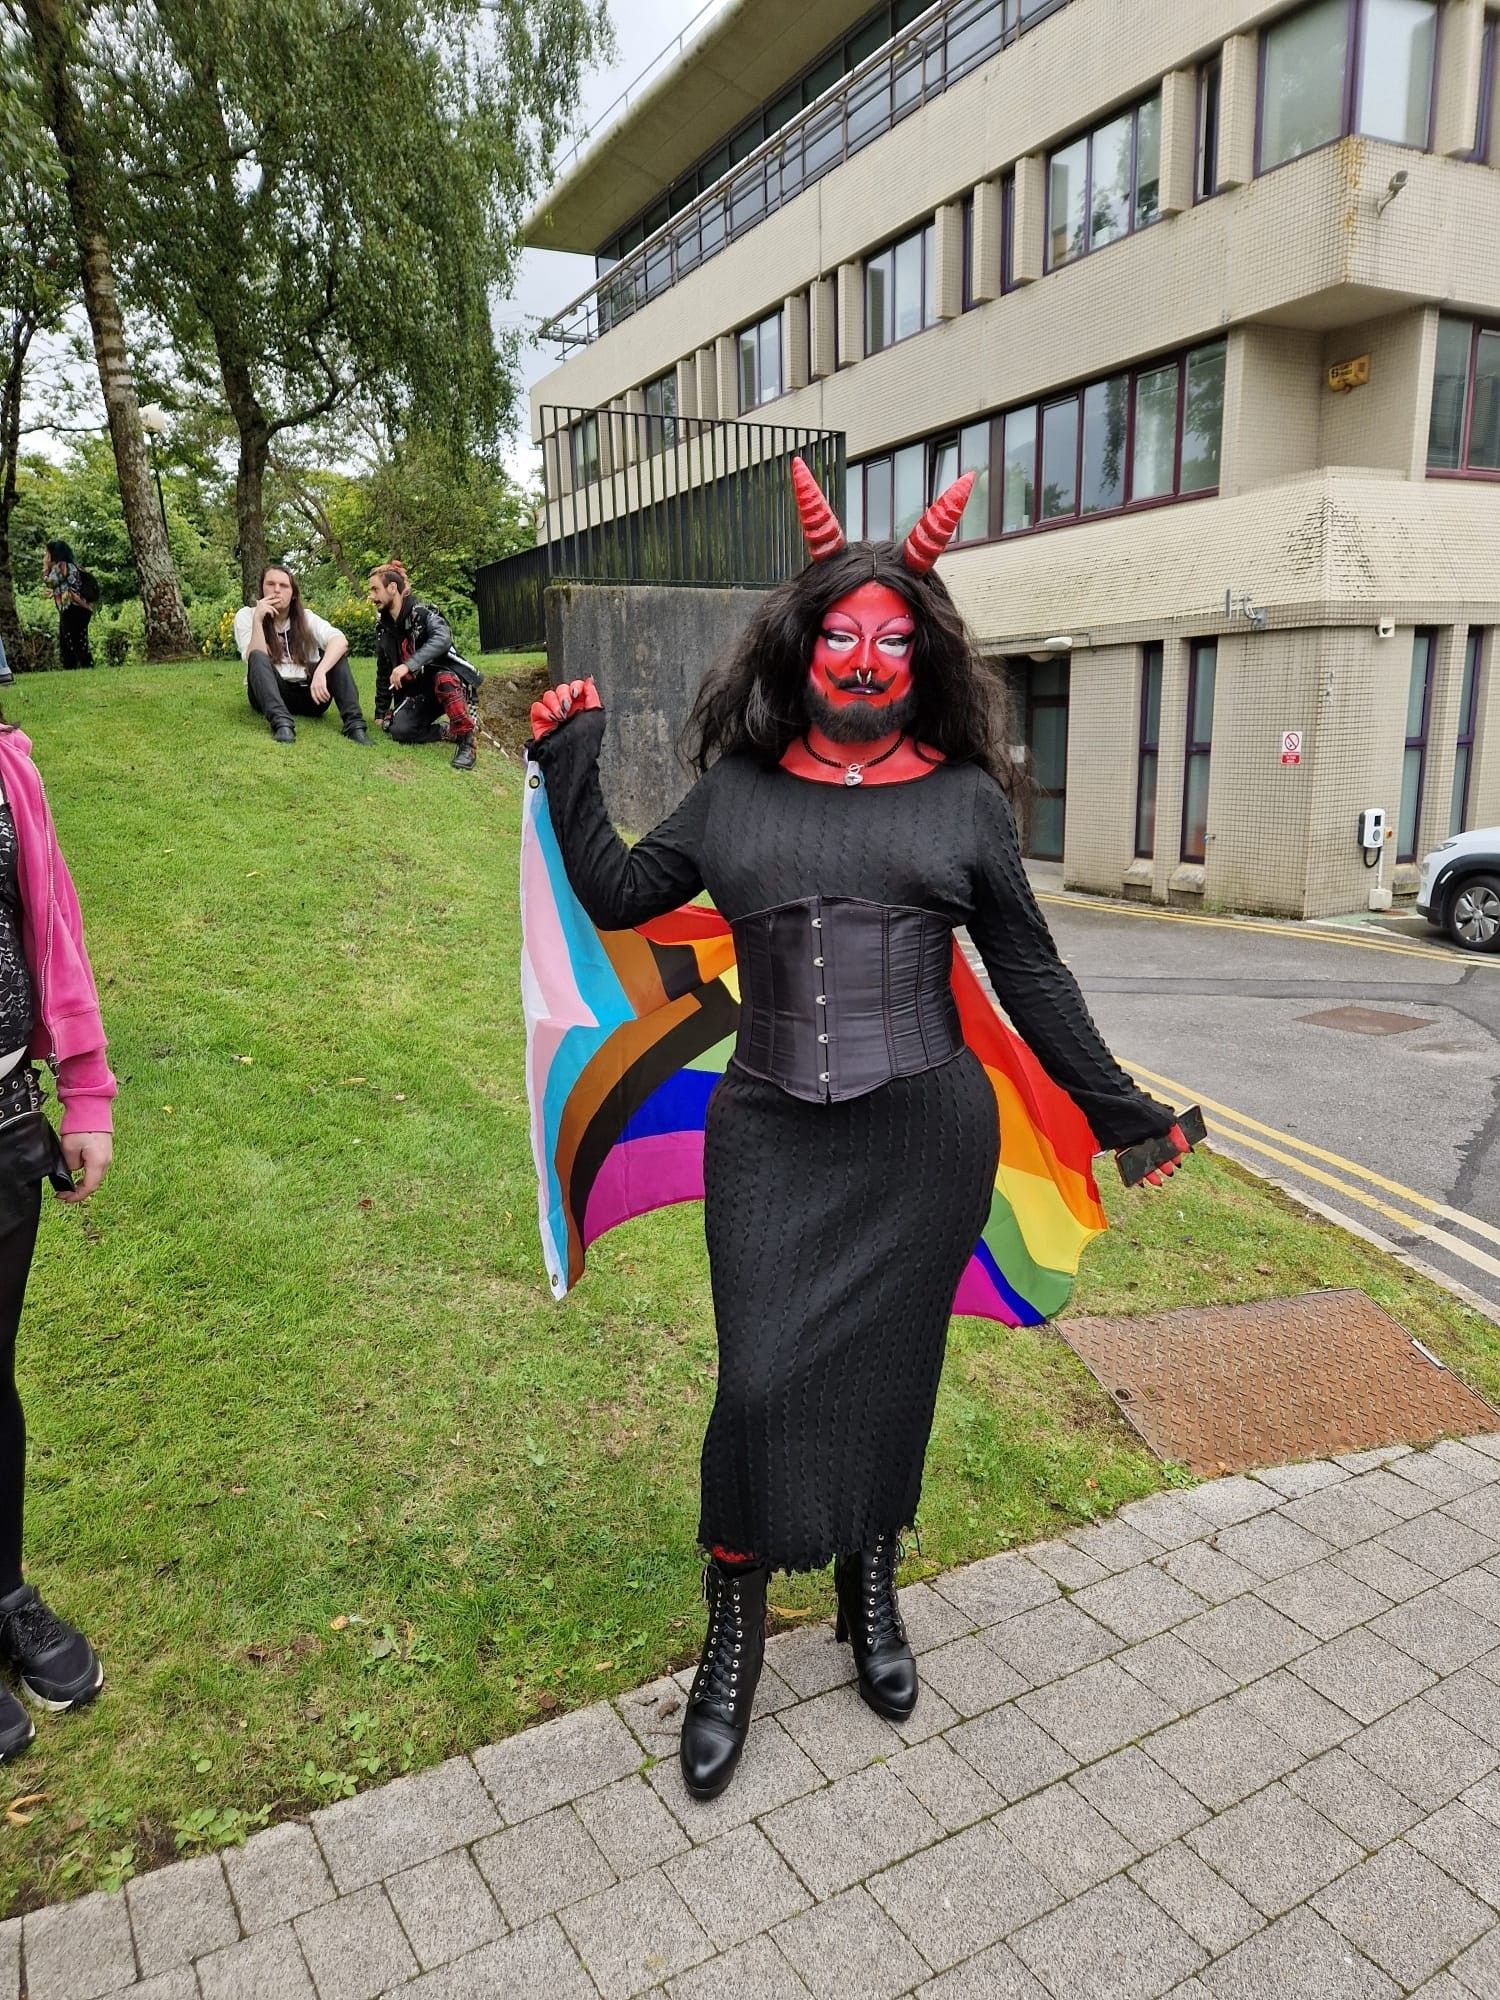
x,y
1349,374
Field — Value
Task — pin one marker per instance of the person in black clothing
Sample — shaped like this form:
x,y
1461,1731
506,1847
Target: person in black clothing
x,y
849,815
63,580
419,675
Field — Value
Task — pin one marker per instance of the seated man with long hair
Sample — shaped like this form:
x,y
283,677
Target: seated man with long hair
x,y
294,660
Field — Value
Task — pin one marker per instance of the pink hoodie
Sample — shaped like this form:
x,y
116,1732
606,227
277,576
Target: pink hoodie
x,y
68,1029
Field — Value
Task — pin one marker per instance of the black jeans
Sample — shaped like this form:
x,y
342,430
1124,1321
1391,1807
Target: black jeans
x,y
73,649
25,1150
277,700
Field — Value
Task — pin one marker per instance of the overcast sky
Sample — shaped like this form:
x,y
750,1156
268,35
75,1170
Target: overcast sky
x,y
550,278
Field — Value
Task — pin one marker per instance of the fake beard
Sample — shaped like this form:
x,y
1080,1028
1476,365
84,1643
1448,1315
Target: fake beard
x,y
860,721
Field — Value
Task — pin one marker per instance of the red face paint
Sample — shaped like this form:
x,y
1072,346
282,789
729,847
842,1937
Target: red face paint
x,y
862,654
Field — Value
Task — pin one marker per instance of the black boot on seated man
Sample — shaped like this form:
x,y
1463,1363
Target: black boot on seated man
x,y
58,1667
16,1726
870,1619
717,1719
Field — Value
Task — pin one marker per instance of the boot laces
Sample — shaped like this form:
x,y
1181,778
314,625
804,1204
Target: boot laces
x,y
32,1629
883,1621
719,1670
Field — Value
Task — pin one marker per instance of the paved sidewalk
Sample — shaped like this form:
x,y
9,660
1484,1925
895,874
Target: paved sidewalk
x,y
1238,1743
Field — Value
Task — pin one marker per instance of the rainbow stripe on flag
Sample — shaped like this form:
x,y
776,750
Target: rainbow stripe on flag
x,y
627,1032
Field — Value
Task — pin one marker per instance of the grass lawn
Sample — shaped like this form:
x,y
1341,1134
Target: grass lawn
x,y
315,1459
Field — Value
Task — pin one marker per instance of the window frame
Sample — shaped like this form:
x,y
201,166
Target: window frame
x,y
995,420
1354,47
757,328
660,424
1474,644
925,237
1463,470
1484,124
1196,749
1417,743
1206,169
584,441
1088,135
1148,745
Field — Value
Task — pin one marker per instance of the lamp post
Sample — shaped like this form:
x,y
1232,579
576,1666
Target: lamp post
x,y
154,424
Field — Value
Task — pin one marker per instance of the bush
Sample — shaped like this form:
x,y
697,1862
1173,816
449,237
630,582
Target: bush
x,y
38,616
117,645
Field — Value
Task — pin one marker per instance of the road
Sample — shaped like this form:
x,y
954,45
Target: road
x,y
1389,1114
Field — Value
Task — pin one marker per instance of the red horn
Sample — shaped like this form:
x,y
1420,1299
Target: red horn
x,y
935,530
819,522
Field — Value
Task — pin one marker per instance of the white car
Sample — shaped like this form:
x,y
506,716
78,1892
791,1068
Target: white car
x,y
1459,890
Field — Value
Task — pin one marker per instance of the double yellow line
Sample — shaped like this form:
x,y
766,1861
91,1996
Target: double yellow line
x,y
1456,960
1419,1213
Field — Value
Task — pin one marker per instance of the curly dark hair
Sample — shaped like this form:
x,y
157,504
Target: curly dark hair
x,y
754,702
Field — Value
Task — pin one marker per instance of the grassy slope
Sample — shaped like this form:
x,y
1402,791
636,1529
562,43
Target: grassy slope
x,y
297,1366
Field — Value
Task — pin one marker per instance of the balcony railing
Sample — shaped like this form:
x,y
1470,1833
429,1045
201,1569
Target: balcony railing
x,y
633,498
918,65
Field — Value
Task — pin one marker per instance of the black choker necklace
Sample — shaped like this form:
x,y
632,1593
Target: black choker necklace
x,y
854,774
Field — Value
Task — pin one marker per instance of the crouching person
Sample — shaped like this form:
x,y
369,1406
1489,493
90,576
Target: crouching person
x,y
419,675
295,662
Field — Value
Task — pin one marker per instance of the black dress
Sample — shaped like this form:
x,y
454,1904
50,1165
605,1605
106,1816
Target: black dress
x,y
837,1232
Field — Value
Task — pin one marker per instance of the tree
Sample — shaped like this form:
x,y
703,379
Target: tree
x,y
325,193
55,39
34,291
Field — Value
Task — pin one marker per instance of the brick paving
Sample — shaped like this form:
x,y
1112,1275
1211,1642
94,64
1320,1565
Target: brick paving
x,y
1239,1743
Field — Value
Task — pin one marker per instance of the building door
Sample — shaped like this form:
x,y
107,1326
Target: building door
x,y
1046,758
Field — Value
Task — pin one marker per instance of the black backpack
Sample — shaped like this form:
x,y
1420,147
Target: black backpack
x,y
88,587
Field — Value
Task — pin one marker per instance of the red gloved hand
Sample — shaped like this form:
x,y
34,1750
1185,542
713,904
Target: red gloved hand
x,y
1165,1171
558,703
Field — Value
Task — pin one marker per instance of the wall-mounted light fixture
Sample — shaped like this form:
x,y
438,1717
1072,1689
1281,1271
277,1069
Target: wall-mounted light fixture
x,y
1394,186
1255,615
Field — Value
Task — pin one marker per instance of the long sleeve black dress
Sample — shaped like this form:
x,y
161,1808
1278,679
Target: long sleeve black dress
x,y
837,1232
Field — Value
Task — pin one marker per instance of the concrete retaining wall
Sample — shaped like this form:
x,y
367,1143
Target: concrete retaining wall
x,y
647,647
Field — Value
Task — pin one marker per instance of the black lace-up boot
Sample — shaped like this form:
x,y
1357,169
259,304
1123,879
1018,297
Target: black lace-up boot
x,y
870,1619
718,1708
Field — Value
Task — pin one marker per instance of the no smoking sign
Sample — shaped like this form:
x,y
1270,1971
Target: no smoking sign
x,y
1291,746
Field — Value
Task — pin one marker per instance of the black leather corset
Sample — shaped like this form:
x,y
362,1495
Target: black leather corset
x,y
838,996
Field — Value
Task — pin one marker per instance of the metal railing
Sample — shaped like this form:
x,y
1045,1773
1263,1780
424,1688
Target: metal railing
x,y
915,67
632,498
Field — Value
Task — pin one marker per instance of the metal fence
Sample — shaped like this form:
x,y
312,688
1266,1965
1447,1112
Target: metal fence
x,y
920,64
635,498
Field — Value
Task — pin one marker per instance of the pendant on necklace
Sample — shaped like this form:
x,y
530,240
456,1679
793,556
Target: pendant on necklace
x,y
854,775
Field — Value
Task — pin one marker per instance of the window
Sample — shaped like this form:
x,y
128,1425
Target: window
x,y
1342,66
1131,438
1418,700
950,458
1464,433
1150,746
968,301
585,437
1484,134
1210,80
1468,714
901,289
1008,233
1104,184
760,363
661,411
1202,671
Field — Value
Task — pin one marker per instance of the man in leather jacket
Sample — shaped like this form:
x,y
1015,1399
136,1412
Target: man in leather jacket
x,y
419,674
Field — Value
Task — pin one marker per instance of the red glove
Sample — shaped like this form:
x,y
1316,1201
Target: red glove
x,y
1169,1168
558,703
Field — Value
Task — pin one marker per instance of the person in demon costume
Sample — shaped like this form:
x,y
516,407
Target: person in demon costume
x,y
847,816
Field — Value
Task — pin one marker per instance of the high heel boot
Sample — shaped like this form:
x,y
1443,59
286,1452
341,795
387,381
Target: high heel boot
x,y
870,1619
717,1718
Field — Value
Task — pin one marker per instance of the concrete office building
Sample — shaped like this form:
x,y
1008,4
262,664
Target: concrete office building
x,y
1115,255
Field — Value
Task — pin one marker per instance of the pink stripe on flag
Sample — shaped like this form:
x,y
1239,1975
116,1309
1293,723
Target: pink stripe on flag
x,y
642,1174
976,1294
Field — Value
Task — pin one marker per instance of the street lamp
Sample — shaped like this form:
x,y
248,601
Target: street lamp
x,y
154,424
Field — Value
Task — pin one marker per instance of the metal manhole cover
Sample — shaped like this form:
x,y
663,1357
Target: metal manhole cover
x,y
1364,1021
1226,1388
